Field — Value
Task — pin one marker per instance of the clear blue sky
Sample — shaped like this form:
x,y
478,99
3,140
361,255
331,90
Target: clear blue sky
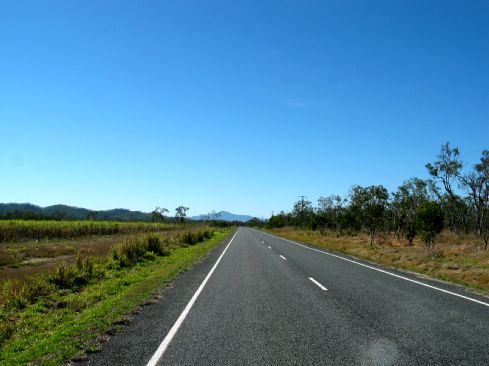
x,y
234,105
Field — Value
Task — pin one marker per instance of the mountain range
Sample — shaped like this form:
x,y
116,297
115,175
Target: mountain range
x,y
224,216
78,213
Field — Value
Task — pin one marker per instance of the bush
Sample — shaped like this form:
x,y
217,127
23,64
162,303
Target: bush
x,y
129,252
133,250
31,290
410,233
192,238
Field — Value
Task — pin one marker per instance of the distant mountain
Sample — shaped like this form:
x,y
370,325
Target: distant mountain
x,y
70,212
223,215
28,210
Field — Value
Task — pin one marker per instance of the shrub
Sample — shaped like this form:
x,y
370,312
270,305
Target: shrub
x,y
128,253
134,250
156,245
31,290
192,238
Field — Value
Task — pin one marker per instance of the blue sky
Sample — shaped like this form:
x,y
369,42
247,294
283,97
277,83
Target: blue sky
x,y
234,105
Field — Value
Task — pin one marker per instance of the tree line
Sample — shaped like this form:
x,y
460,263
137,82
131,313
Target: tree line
x,y
453,198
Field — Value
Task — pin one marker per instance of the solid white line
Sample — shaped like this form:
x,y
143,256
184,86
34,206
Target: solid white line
x,y
281,256
318,284
174,329
386,272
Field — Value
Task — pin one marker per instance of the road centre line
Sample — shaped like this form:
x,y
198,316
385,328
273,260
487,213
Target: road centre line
x,y
386,272
318,284
174,329
281,256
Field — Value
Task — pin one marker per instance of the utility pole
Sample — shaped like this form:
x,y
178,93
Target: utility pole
x,y
302,209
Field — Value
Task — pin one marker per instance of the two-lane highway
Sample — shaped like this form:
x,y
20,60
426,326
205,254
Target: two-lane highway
x,y
269,301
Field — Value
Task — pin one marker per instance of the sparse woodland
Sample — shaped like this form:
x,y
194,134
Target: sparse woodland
x,y
454,199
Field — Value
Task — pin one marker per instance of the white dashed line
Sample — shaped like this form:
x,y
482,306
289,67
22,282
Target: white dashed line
x,y
281,256
318,284
384,272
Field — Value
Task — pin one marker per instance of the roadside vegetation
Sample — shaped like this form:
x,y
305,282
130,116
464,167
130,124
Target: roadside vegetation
x,y
68,311
437,226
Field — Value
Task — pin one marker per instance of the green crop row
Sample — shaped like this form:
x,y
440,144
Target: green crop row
x,y
18,230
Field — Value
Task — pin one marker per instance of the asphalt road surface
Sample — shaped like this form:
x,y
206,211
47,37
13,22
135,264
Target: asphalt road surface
x,y
262,300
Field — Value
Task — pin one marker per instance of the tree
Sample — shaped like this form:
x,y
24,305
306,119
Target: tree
x,y
476,184
181,213
370,203
485,231
429,221
329,211
280,220
158,214
303,212
405,202
446,170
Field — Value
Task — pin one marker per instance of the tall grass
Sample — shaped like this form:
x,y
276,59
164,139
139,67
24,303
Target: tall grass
x,y
18,230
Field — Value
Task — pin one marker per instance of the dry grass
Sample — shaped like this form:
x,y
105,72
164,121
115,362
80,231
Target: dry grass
x,y
456,258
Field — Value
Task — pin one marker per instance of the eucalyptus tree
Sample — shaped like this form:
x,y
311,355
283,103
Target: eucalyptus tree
x,y
303,212
446,170
181,213
405,202
370,203
330,209
158,214
476,183
429,221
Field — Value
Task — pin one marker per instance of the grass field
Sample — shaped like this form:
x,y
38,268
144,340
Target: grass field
x,y
455,258
68,318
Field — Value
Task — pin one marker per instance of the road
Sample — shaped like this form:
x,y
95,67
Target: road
x,y
263,300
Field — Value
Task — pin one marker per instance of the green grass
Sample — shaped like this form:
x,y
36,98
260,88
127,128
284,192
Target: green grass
x,y
47,334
